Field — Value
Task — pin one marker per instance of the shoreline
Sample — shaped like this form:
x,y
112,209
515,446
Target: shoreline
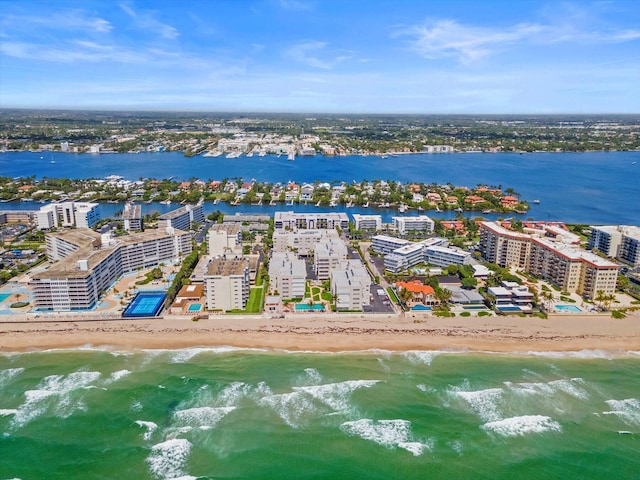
x,y
335,334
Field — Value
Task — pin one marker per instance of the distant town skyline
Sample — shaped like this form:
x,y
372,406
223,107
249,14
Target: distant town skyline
x,y
403,56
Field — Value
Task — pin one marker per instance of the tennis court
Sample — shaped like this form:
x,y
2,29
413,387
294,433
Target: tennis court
x,y
147,304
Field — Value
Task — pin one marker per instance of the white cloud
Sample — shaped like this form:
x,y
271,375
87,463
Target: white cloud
x,y
467,43
64,20
308,53
146,20
448,38
295,5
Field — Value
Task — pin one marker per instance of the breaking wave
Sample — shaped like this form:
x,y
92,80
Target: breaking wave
x,y
388,433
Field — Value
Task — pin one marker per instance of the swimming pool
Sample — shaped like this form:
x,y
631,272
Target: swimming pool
x,y
147,304
508,309
568,308
303,307
194,307
420,307
4,296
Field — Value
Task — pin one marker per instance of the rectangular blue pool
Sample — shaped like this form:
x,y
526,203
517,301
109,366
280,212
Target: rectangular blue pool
x,y
194,307
568,308
145,304
4,296
421,307
303,307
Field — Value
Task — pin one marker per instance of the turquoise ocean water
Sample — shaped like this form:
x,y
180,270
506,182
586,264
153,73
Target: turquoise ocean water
x,y
227,414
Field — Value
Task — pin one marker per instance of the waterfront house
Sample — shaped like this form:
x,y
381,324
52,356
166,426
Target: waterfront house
x,y
509,201
420,293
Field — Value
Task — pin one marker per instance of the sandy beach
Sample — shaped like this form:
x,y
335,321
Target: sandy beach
x,y
334,333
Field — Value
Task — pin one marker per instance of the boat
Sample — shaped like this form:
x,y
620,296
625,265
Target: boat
x,y
402,208
291,157
536,201
366,205
459,210
166,202
488,210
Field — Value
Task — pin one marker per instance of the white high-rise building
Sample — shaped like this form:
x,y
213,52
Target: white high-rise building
x,y
227,283
68,214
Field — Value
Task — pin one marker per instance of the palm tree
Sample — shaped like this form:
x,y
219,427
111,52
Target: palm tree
x,y
600,298
443,295
404,295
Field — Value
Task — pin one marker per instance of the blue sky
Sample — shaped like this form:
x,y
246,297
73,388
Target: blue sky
x,y
396,56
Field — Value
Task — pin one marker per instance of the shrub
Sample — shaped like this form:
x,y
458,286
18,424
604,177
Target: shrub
x,y
618,314
483,314
465,314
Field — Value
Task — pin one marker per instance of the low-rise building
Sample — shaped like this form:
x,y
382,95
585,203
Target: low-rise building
x,y
294,221
420,223
182,218
367,222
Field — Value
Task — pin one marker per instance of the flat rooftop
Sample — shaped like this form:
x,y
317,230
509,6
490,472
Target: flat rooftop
x,y
226,267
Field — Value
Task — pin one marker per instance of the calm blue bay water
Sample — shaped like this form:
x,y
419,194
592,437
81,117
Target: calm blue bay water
x,y
593,187
207,413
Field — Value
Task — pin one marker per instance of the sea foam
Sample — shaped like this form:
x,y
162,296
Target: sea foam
x,y
518,426
8,374
150,428
167,459
388,433
201,417
58,387
336,395
295,409
628,410
120,374
485,403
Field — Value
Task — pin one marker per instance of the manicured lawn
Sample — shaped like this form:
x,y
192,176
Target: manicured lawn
x,y
392,295
255,300
326,296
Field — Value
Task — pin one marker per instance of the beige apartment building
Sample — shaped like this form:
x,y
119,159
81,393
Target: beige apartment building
x,y
566,266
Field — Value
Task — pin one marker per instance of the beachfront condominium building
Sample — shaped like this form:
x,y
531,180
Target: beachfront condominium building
x,y
182,218
302,242
413,253
224,239
351,285
421,223
442,256
88,263
68,214
564,265
287,275
617,241
384,244
328,253
227,283
367,222
295,221
132,217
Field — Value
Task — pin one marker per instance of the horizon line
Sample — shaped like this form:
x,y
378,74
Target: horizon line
x,y
301,112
